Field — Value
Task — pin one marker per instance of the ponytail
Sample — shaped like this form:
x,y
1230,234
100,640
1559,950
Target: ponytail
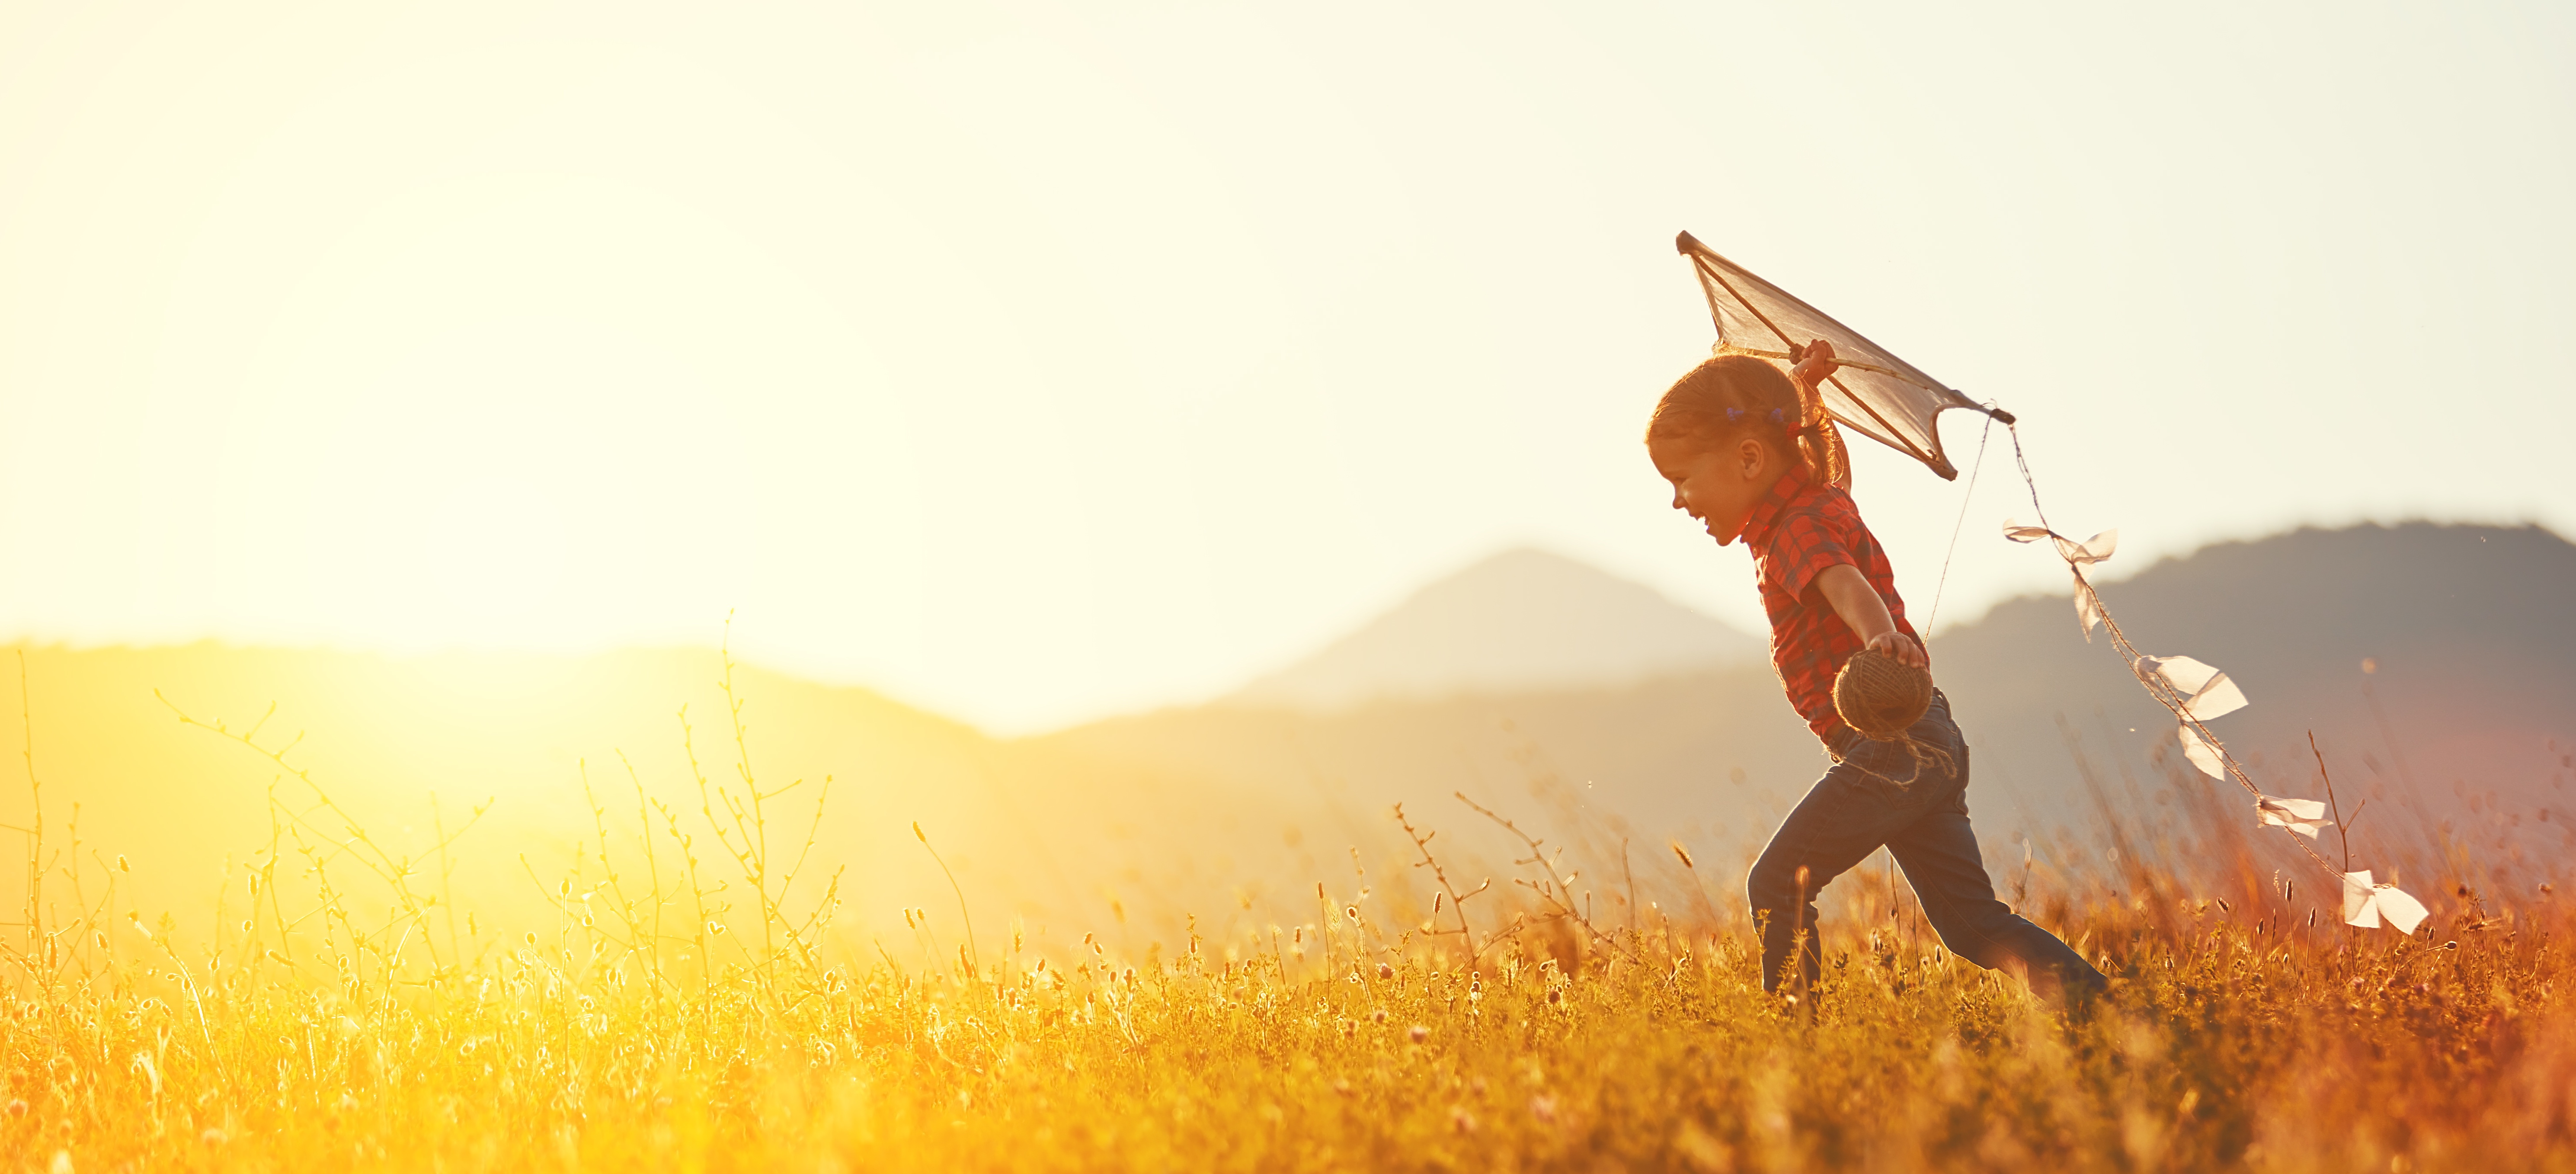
x,y
1737,394
1820,443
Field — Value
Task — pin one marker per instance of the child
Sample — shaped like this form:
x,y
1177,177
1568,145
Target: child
x,y
1751,454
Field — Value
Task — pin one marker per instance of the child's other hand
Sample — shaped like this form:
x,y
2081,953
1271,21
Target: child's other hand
x,y
1815,363
1902,648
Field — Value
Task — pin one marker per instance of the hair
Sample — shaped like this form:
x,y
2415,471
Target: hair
x,y
1737,395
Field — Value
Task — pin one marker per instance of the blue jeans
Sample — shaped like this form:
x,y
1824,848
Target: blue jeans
x,y
1877,794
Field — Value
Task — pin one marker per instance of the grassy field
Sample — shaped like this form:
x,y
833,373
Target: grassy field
x,y
690,1005
2222,1048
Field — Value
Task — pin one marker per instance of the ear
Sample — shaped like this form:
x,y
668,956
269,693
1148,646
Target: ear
x,y
1751,458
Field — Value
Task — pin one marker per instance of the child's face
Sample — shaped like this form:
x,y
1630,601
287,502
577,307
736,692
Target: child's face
x,y
1717,483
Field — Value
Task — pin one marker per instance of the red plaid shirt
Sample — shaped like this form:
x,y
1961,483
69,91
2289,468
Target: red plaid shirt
x,y
1797,532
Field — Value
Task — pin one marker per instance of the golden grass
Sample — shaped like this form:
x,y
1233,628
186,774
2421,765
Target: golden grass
x,y
340,1014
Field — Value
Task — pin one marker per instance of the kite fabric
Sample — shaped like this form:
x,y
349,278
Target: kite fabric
x,y
1875,393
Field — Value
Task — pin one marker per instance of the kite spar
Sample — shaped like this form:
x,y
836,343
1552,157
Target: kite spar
x,y
1874,393
1890,401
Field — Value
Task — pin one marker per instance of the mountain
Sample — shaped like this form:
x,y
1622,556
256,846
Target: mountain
x,y
2435,667
1519,621
408,747
2460,737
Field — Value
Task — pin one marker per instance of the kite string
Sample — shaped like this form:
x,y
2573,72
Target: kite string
x,y
2023,459
1958,526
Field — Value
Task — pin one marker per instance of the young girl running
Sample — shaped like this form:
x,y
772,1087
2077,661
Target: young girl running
x,y
1752,455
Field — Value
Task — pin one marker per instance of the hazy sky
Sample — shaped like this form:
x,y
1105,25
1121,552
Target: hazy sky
x,y
1033,362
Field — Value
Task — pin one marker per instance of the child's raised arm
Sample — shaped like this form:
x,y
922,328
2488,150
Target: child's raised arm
x,y
1858,604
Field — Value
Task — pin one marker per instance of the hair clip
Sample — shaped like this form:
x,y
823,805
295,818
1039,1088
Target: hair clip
x,y
1734,415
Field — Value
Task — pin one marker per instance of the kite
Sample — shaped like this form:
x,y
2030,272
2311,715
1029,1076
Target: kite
x,y
1873,393
1889,400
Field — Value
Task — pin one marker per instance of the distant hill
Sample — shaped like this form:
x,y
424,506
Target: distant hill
x,y
1519,621
2474,648
2466,722
1233,812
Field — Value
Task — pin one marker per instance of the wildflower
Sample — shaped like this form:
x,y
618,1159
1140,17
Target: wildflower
x,y
1461,1120
531,937
1418,1033
17,1108
715,927
1351,911
1378,1016
1543,1108
1385,971
121,865
1684,853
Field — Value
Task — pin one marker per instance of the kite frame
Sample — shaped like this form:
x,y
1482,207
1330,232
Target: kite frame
x,y
1709,264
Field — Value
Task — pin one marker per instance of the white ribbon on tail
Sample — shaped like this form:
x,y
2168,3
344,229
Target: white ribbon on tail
x,y
2303,816
2206,692
2365,903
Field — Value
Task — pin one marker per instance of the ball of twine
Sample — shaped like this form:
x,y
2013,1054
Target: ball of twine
x,y
1881,697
